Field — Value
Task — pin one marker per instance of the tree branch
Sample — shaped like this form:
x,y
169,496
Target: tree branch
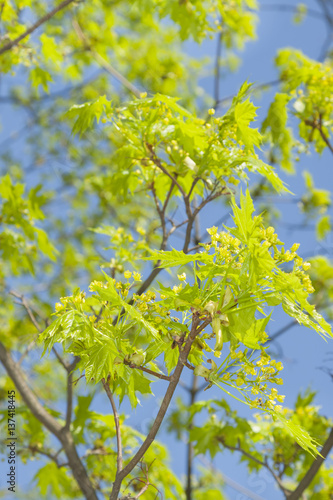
x,y
174,379
117,424
40,451
323,136
189,366
59,358
190,453
191,216
30,346
37,409
326,12
41,21
314,468
69,391
69,400
258,461
328,16
67,367
317,125
159,165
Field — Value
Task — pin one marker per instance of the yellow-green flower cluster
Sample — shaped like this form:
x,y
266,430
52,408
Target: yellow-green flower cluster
x,y
269,237
141,301
158,314
177,288
136,276
263,371
223,242
181,277
119,285
97,284
70,302
305,280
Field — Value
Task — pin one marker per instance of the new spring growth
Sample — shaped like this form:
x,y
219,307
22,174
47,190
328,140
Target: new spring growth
x,y
219,319
136,358
202,371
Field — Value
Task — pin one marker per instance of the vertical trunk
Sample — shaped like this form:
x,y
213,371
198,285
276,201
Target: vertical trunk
x,y
193,394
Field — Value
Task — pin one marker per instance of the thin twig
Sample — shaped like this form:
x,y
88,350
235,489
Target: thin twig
x,y
98,451
45,453
192,249
317,125
175,227
30,346
328,16
69,389
117,424
158,164
51,456
188,365
256,460
161,213
168,197
151,372
59,358
38,410
27,307
217,70
194,183
230,482
103,63
41,21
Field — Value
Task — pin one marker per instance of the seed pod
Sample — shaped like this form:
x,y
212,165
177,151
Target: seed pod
x,y
213,364
137,359
201,371
224,319
211,307
227,296
217,330
200,343
191,165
